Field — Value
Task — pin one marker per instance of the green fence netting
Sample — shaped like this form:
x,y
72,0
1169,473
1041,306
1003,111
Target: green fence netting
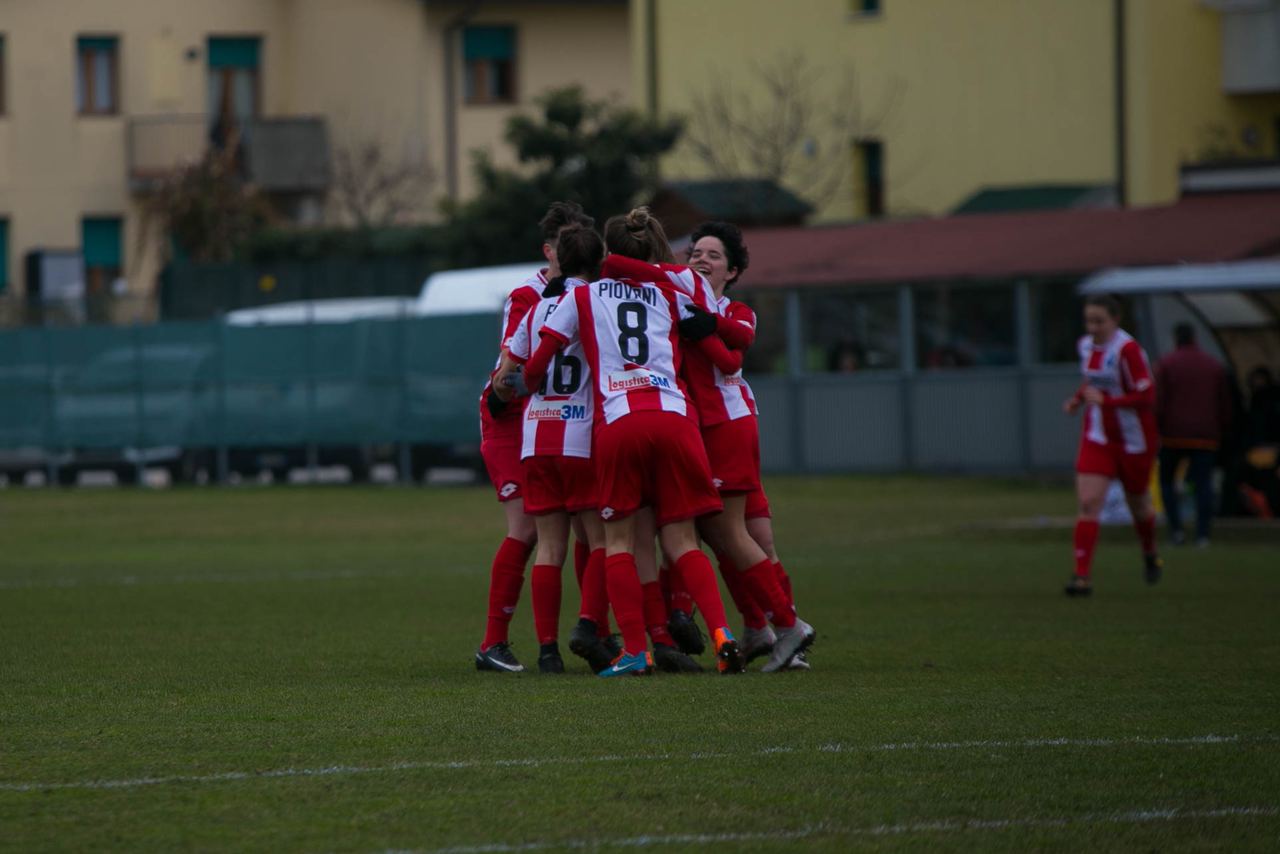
x,y
210,384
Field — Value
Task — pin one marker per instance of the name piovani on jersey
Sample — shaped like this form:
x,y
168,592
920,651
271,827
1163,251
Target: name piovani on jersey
x,y
629,336
558,415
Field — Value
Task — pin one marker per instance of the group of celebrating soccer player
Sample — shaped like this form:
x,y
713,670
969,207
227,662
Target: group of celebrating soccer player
x,y
617,411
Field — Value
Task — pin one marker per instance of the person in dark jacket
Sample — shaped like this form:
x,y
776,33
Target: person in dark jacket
x,y
1193,411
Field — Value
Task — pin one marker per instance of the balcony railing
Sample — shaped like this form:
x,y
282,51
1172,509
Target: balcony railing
x,y
280,155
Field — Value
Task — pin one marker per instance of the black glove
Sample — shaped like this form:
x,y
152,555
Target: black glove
x,y
496,404
698,325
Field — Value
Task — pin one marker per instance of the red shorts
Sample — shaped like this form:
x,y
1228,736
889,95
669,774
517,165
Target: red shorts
x,y
1132,470
758,504
653,458
559,485
733,450
500,450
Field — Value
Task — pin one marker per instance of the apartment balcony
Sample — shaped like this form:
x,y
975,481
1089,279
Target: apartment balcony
x,y
279,155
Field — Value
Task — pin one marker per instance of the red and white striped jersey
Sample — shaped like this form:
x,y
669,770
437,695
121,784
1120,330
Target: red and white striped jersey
x,y
629,335
684,279
1119,369
557,416
717,396
517,305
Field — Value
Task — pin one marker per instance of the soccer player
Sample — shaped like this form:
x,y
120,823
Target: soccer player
x,y
730,428
500,440
1119,436
646,447
726,410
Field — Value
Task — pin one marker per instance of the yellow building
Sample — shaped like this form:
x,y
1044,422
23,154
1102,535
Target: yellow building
x,y
99,98
915,105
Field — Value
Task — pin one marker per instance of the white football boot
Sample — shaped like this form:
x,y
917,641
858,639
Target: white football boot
x,y
791,641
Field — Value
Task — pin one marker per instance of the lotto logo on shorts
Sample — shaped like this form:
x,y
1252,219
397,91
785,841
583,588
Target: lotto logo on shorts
x,y
717,482
636,379
564,412
508,489
606,513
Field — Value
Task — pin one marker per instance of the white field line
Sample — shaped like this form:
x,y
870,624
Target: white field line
x,y
539,762
198,578
955,825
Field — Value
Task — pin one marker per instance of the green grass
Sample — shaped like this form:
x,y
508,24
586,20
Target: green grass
x,y
194,633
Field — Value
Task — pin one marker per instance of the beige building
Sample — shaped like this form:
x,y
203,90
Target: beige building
x,y
99,98
913,106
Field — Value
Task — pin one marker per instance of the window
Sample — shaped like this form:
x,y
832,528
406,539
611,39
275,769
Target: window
x,y
4,255
965,327
2,74
870,171
850,331
489,59
97,76
100,243
864,8
234,88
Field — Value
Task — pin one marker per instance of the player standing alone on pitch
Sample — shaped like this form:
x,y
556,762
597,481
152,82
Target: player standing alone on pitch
x,y
646,447
1119,436
500,441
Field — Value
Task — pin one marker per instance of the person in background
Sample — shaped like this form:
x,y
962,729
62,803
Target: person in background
x,y
1193,412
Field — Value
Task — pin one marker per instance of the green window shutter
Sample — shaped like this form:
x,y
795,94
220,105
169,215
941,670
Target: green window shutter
x,y
488,43
4,254
106,44
234,53
100,241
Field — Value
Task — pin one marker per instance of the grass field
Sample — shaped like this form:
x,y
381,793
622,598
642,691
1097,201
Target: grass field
x,y
290,669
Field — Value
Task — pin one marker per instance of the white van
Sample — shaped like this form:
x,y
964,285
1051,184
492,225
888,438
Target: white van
x,y
342,310
479,290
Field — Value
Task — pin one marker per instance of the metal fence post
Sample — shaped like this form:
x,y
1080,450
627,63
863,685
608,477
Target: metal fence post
x,y
795,379
907,367
1025,337
51,431
312,451
404,452
139,405
220,437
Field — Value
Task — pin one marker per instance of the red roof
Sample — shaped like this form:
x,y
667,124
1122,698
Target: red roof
x,y
1198,229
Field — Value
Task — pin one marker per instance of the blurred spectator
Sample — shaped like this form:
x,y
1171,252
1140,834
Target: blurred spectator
x,y
846,357
1260,468
1193,410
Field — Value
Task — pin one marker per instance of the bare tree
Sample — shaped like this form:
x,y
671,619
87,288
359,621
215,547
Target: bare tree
x,y
787,122
370,188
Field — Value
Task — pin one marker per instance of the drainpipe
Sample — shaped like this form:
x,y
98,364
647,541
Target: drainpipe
x,y
1122,178
651,55
451,29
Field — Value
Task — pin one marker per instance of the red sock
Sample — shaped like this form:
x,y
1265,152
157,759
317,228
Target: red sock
x,y
544,586
763,584
581,554
655,614
627,600
1146,529
595,592
752,614
505,579
700,580
1086,538
784,581
664,584
680,598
